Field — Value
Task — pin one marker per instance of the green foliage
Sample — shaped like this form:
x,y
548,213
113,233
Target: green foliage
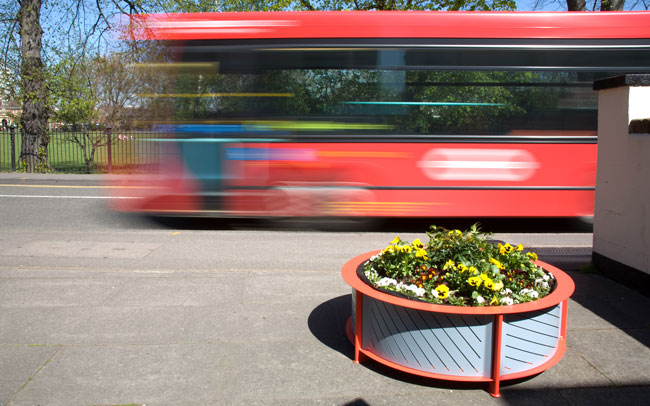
x,y
72,92
459,268
400,258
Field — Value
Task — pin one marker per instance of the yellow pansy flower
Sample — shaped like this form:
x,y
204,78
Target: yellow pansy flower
x,y
497,263
494,300
443,291
417,243
474,281
497,286
532,256
449,265
395,240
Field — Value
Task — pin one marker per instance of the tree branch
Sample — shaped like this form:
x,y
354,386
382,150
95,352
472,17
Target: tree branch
x,y
306,4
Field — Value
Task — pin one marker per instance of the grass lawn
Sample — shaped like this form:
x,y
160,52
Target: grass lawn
x,y
65,156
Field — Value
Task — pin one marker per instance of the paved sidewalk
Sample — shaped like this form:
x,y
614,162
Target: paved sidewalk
x,y
72,337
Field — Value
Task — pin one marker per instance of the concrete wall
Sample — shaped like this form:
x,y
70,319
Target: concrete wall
x,y
622,206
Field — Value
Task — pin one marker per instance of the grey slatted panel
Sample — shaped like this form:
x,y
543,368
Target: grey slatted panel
x,y
473,336
529,339
432,342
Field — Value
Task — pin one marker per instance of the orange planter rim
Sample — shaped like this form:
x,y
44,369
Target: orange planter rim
x,y
563,290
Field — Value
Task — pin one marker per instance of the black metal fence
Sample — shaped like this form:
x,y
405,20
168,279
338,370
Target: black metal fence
x,y
87,150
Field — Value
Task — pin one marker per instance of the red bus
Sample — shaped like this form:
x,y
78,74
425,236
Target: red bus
x,y
379,114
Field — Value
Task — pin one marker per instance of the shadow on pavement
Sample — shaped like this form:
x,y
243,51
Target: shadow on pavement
x,y
621,306
392,225
327,323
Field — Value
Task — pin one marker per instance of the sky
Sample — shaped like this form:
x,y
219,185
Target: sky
x,y
550,5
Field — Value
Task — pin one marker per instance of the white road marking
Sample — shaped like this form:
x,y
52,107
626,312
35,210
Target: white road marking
x,y
70,197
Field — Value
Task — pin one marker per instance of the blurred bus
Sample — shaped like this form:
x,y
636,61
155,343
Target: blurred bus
x,y
378,114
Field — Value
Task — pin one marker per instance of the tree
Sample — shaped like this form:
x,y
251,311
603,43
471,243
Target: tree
x,y
592,5
35,113
76,105
605,5
409,5
88,93
312,5
114,85
33,70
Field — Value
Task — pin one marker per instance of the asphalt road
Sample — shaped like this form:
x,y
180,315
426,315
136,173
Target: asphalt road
x,y
65,221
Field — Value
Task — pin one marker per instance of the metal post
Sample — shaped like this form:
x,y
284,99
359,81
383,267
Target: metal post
x,y
358,328
109,143
12,133
496,356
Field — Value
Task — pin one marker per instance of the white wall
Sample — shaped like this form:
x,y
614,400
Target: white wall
x,y
622,206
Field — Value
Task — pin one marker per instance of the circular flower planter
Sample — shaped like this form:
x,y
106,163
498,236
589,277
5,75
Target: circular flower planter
x,y
472,344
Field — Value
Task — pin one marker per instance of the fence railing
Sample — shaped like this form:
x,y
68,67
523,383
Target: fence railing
x,y
88,151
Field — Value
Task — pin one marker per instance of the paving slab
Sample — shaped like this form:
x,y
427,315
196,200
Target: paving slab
x,y
619,356
25,361
120,375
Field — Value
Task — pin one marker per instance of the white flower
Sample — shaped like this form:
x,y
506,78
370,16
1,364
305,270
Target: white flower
x,y
529,292
507,301
546,277
386,282
434,292
415,289
545,285
506,291
480,299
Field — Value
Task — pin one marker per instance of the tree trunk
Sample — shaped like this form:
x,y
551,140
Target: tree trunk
x,y
34,88
576,5
605,5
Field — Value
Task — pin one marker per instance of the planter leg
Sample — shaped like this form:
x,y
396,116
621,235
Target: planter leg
x,y
358,327
494,388
496,357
